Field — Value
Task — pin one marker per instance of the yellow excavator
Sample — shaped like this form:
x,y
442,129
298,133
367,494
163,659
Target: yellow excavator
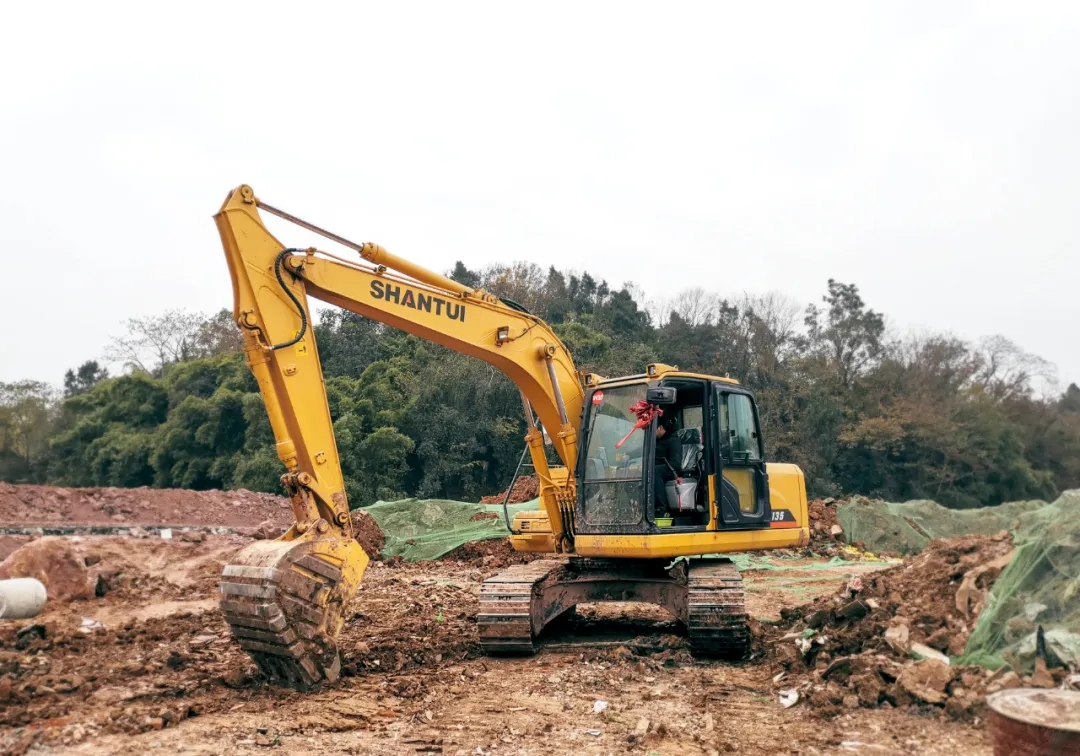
x,y
614,520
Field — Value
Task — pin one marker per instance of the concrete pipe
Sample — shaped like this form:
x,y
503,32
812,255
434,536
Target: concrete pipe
x,y
21,598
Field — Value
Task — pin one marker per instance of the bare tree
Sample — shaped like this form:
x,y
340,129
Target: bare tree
x,y
153,342
1007,371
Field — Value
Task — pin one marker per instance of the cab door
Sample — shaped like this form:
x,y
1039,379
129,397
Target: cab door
x,y
741,482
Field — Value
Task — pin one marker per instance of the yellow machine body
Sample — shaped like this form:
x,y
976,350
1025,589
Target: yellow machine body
x,y
284,600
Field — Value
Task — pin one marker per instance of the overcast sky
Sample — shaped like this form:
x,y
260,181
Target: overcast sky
x,y
928,153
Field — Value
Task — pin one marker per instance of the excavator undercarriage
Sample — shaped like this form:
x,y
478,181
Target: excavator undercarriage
x,y
705,595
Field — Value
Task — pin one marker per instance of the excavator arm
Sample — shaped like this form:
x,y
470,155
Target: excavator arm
x,y
284,599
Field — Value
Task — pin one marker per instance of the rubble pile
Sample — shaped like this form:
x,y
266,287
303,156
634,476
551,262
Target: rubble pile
x,y
493,554
825,531
887,638
368,533
526,488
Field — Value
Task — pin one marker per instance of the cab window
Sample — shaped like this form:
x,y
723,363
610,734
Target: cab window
x,y
739,437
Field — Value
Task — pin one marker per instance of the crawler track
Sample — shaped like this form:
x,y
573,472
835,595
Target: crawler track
x,y
716,610
507,607
707,596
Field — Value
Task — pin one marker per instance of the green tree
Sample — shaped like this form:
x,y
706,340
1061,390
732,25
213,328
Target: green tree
x,y
82,379
27,416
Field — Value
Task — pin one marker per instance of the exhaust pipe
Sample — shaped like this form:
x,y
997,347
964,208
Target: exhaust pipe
x,y
21,598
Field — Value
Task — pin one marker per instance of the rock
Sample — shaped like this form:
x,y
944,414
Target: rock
x,y
642,727
851,702
920,651
841,666
836,531
897,638
868,688
854,610
1008,681
192,536
268,530
709,724
1041,678
926,680
598,707
940,639
54,562
267,737
817,619
957,644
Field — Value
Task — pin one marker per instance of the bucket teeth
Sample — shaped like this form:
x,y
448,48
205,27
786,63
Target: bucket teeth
x,y
284,602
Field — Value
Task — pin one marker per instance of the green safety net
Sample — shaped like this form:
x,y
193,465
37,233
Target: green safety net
x,y
424,529
1039,587
907,527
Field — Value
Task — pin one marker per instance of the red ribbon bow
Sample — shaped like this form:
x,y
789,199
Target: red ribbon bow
x,y
645,413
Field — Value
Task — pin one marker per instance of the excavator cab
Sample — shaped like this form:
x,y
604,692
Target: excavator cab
x,y
717,480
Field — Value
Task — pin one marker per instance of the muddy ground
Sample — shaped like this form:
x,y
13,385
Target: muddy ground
x,y
145,665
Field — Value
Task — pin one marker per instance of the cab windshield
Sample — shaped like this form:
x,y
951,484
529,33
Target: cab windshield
x,y
609,422
613,492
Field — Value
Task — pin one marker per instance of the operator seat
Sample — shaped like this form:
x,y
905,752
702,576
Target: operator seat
x,y
692,450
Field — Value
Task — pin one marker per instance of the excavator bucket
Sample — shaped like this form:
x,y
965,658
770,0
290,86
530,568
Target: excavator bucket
x,y
285,604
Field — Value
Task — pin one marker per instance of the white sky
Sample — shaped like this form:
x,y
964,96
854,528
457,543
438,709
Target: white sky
x,y
927,152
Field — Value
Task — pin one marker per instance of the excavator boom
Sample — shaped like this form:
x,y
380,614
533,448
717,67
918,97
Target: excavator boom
x,y
284,599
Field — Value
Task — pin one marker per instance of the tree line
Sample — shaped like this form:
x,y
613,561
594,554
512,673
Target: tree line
x,y
859,409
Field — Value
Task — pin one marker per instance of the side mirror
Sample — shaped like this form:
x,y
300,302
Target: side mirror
x,y
660,395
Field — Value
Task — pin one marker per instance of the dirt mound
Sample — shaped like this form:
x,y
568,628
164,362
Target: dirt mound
x,y
56,564
10,544
368,533
525,488
858,648
23,505
496,554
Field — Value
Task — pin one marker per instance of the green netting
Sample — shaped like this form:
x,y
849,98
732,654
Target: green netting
x,y
907,527
424,529
1040,587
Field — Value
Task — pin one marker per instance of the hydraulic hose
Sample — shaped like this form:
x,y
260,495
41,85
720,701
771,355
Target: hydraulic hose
x,y
299,307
